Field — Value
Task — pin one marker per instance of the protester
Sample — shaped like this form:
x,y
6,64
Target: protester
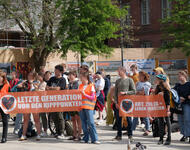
x,y
99,86
65,74
135,74
183,90
163,89
85,68
47,76
143,88
13,88
58,83
29,86
88,104
42,70
160,70
135,77
106,88
41,86
110,100
123,86
4,89
14,80
73,84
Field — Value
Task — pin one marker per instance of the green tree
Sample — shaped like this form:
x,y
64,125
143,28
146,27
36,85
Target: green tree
x,y
86,24
176,27
78,25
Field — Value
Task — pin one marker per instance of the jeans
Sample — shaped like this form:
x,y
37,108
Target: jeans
x,y
181,123
5,123
88,125
18,122
186,115
162,127
146,120
119,123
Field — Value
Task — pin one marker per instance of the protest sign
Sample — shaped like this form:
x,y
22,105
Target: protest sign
x,y
41,101
142,106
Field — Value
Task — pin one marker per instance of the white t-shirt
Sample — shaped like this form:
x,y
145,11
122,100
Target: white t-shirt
x,y
66,78
100,83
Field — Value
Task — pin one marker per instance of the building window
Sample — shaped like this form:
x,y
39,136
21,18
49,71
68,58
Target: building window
x,y
166,8
128,17
165,43
145,12
146,44
128,45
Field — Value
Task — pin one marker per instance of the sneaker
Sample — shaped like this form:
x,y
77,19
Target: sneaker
x,y
168,142
184,139
125,133
61,137
146,133
22,138
38,138
131,139
72,138
77,139
142,125
96,142
98,118
118,138
15,132
160,142
100,122
82,141
44,134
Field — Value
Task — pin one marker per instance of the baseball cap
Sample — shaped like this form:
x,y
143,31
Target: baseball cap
x,y
162,77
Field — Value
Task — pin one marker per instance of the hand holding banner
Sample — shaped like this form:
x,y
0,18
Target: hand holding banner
x,y
142,106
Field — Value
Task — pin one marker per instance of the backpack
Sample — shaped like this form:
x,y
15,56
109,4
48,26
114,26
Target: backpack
x,y
30,131
175,104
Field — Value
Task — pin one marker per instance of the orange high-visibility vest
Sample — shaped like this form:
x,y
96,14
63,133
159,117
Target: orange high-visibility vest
x,y
86,103
5,88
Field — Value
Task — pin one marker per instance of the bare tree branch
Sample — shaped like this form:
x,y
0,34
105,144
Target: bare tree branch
x,y
28,17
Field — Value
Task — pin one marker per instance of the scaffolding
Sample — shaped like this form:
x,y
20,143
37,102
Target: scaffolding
x,y
11,35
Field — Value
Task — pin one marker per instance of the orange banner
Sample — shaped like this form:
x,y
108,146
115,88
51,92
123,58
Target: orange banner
x,y
46,101
142,106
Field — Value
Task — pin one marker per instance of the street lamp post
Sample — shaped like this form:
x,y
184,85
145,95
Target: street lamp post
x,y
121,32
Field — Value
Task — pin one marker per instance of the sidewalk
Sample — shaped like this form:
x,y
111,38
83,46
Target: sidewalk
x,y
106,134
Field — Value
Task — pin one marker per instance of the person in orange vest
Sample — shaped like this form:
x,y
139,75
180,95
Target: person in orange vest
x,y
4,88
88,103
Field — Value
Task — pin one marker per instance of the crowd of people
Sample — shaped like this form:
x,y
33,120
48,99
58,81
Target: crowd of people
x,y
100,94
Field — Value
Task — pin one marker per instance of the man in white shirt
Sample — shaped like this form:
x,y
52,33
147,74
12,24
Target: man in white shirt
x,y
64,75
99,85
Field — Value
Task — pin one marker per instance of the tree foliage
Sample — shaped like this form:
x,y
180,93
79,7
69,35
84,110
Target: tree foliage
x,y
176,27
86,24
78,25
